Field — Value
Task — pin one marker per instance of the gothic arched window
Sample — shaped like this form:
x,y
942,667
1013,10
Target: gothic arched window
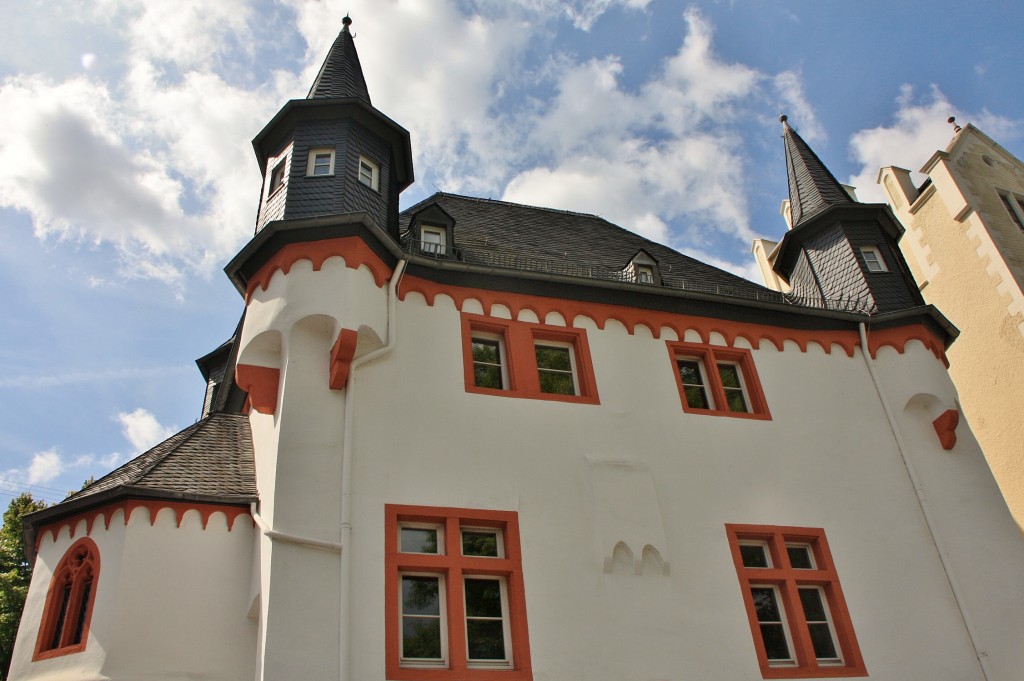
x,y
69,601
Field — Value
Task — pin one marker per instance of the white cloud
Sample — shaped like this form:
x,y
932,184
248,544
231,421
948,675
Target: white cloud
x,y
45,466
790,90
919,129
88,60
142,430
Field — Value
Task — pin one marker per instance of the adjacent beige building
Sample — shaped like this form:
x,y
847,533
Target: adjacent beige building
x,y
965,245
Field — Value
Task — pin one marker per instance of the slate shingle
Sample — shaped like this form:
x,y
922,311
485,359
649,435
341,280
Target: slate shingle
x,y
812,188
341,75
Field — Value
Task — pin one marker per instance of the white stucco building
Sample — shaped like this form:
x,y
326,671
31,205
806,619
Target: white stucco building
x,y
479,441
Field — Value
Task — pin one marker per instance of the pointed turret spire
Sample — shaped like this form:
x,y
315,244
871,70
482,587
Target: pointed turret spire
x,y
341,75
812,187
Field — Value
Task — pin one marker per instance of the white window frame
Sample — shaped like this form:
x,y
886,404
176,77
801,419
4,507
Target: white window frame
x,y
791,661
498,538
473,663
806,547
876,263
277,176
763,545
502,356
442,597
311,164
743,386
423,526
571,347
644,274
709,394
823,661
440,247
374,172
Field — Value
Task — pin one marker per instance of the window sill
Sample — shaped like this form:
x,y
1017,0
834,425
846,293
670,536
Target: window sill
x,y
754,416
827,672
550,397
58,652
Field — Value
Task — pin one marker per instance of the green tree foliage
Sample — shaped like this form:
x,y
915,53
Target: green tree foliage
x,y
15,574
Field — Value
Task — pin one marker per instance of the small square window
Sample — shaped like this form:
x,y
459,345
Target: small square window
x,y
321,163
873,259
369,173
800,556
755,555
433,240
277,176
421,539
482,542
555,368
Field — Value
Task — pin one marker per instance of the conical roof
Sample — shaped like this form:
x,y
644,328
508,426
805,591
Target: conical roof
x,y
812,188
341,75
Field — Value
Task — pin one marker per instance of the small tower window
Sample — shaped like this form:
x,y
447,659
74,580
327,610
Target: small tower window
x,y
369,173
277,176
1016,214
321,163
432,240
873,259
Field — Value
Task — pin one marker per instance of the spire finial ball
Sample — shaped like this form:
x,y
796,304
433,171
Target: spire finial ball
x,y
347,21
783,118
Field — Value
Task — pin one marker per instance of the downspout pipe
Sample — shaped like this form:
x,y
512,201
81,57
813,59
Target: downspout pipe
x,y
345,596
922,501
274,535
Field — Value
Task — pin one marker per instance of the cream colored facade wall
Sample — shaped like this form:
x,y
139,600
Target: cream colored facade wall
x,y
157,583
637,469
968,257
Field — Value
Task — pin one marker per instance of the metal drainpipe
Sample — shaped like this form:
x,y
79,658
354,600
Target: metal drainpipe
x,y
923,503
345,597
287,536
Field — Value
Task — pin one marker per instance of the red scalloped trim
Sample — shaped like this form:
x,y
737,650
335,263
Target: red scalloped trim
x,y
897,337
261,384
352,249
945,427
129,505
341,358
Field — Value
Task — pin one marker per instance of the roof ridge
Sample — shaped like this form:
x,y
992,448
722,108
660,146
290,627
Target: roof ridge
x,y
480,199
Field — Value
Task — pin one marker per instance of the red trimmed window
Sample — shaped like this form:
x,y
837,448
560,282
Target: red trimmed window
x,y
519,359
717,380
69,602
798,616
454,595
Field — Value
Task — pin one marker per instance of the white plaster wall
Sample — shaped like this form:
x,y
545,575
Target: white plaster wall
x,y
156,584
826,459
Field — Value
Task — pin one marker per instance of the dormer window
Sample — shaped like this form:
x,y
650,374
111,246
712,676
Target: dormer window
x,y
873,259
321,163
432,240
644,275
277,176
369,173
642,269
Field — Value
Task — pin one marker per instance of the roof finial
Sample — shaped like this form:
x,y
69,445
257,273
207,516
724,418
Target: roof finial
x,y
346,22
782,119
952,121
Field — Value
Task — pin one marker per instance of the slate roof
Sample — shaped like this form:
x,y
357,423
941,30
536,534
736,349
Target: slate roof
x,y
341,75
212,458
812,188
500,234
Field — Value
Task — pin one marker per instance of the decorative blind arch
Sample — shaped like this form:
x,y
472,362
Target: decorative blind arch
x,y
69,602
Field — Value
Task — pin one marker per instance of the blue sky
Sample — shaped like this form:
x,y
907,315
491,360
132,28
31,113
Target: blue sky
x,y
127,178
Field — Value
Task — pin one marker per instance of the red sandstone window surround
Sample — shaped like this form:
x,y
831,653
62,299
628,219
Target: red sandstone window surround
x,y
455,607
69,602
798,616
521,359
718,381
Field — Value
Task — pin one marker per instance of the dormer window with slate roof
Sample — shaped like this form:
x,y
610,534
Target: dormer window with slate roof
x,y
277,176
432,232
643,269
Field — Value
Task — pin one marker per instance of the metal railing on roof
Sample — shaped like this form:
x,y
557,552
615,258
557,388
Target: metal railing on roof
x,y
503,259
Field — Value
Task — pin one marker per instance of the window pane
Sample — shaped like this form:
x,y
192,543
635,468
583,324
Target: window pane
x,y
58,629
814,611
483,598
420,596
730,374
821,639
485,376
557,384
689,371
419,540
556,358
765,605
800,557
83,609
485,351
696,397
485,639
754,556
774,638
736,402
480,543
421,637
